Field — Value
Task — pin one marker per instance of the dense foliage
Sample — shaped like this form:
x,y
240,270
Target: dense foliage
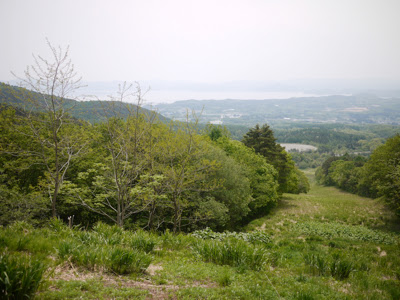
x,y
263,142
376,177
330,139
136,172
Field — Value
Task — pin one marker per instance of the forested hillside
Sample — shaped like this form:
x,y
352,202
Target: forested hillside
x,y
92,111
136,171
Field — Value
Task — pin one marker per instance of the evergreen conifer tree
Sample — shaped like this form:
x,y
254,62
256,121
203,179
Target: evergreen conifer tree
x,y
262,140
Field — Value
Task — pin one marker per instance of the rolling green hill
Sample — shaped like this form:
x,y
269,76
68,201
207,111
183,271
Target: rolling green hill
x,y
91,111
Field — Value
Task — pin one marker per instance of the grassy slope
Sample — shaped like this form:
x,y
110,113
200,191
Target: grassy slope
x,y
328,204
308,233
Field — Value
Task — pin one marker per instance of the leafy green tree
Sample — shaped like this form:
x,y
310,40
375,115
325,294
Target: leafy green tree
x,y
126,148
322,173
262,175
380,173
342,171
345,175
234,190
262,140
185,168
17,206
18,168
19,172
297,182
216,131
303,185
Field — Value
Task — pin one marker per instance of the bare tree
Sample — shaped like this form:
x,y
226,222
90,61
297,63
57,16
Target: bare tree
x,y
48,84
126,140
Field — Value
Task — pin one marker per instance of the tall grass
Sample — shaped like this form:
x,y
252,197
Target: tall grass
x,y
337,266
178,241
142,241
58,228
126,261
109,235
232,252
340,268
317,264
108,248
19,276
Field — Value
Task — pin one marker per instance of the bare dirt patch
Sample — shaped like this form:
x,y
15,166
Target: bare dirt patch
x,y
67,272
152,269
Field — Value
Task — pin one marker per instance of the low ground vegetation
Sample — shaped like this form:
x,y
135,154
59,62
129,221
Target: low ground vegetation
x,y
312,246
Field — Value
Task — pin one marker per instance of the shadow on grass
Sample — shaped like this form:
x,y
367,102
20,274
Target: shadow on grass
x,y
285,203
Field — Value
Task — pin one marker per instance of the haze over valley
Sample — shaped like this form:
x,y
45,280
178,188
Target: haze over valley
x,y
188,149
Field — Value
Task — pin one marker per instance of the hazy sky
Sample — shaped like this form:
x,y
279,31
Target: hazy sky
x,y
207,40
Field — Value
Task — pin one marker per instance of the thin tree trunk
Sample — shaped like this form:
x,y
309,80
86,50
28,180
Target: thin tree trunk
x,y
54,200
151,215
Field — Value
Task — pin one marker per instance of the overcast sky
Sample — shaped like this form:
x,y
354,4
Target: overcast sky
x,y
207,40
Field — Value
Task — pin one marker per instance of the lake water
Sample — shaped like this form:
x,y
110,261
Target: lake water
x,y
298,147
102,92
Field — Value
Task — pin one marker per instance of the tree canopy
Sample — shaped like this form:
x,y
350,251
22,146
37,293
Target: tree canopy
x,y
262,140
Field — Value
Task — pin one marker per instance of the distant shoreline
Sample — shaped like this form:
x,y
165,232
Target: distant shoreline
x,y
167,97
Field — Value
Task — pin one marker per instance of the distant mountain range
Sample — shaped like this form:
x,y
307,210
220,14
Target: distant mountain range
x,y
164,91
354,109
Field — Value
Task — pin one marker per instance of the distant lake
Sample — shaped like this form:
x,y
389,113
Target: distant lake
x,y
154,96
298,147
172,96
